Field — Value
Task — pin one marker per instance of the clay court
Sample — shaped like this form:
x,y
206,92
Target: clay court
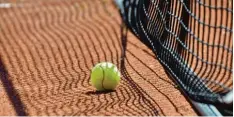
x,y
48,47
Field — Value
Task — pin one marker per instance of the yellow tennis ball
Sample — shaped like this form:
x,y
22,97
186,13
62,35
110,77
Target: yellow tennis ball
x,y
105,76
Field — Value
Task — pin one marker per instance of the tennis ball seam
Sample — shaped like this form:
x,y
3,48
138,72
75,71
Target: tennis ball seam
x,y
103,77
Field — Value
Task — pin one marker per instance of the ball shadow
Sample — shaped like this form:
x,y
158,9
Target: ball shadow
x,y
99,92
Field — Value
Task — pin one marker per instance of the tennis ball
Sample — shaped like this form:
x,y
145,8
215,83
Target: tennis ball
x,y
105,76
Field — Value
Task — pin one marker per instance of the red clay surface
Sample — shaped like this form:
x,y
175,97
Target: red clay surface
x,y
48,47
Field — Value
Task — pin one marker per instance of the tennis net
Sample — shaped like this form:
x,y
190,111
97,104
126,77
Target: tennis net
x,y
191,38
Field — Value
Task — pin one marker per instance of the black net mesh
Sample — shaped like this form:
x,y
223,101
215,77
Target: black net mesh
x,y
191,38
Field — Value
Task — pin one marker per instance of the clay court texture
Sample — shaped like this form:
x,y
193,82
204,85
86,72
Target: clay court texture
x,y
48,48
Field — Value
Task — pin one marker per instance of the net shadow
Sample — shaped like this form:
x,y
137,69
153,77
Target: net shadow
x,y
125,73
